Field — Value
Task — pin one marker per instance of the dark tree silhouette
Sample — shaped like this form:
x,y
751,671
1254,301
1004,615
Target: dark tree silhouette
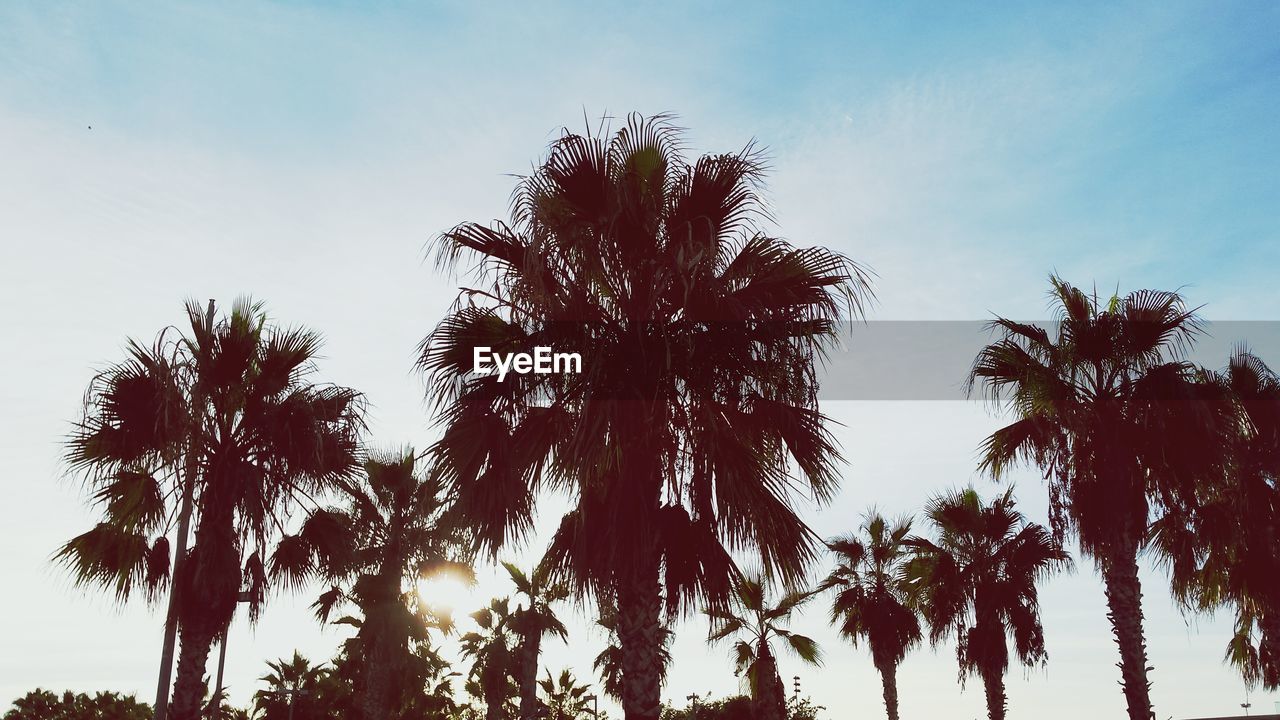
x,y
871,601
977,582
1111,416
230,409
757,621
699,337
393,530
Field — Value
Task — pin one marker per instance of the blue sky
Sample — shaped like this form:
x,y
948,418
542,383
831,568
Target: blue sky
x,y
306,152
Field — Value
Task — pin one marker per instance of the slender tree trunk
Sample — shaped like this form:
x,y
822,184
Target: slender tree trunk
x,y
1124,603
640,637
889,680
527,664
1269,646
771,698
188,689
997,701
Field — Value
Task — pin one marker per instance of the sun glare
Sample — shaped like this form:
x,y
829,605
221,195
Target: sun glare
x,y
447,593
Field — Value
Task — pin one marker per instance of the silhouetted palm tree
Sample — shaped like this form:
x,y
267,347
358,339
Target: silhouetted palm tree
x,y
393,531
978,583
233,410
1108,412
291,690
699,337
1224,550
565,698
530,622
871,600
757,622
492,676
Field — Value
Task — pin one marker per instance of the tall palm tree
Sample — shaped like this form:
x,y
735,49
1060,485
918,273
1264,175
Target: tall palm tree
x,y
978,582
696,395
871,601
493,666
1107,410
1224,550
393,530
530,621
758,621
566,699
230,413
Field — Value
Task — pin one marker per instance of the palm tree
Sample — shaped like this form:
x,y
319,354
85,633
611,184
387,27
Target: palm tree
x,y
530,623
871,601
566,699
760,621
231,415
1110,414
394,528
291,690
1224,550
698,337
978,582
493,667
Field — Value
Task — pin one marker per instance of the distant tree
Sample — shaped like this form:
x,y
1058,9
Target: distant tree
x,y
44,705
490,649
756,622
734,708
565,698
872,601
530,621
293,691
392,530
1107,409
232,415
977,582
696,411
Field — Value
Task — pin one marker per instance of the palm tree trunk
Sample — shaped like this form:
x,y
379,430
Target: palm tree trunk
x,y
527,666
188,689
889,680
640,637
1124,603
375,700
771,698
997,701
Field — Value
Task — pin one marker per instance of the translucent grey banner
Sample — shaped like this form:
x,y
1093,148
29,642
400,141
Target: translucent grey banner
x,y
929,360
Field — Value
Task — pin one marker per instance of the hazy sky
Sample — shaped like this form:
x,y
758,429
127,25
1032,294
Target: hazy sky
x,y
305,153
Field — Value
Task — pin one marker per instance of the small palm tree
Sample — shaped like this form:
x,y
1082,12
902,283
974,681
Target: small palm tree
x,y
565,698
758,622
695,411
530,621
291,690
872,600
1109,412
490,649
1224,549
230,418
393,530
978,583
